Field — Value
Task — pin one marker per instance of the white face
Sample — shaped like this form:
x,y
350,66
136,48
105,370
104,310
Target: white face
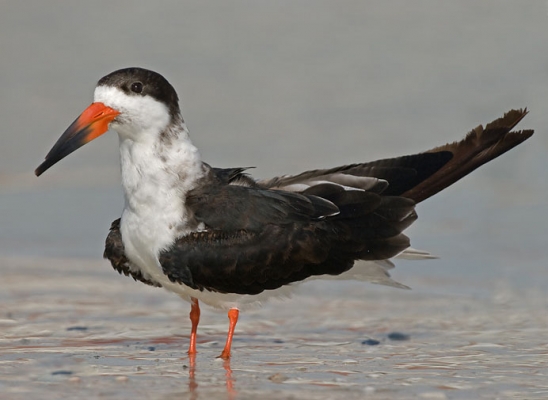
x,y
141,118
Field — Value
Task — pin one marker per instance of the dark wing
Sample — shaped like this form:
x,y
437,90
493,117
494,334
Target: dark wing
x,y
420,176
258,239
266,234
234,176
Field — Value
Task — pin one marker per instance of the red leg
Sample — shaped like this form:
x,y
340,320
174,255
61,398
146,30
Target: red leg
x,y
233,318
194,318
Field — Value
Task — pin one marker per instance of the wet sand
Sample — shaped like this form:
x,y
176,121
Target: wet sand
x,y
73,328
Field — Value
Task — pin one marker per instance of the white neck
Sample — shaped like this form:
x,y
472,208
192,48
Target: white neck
x,y
157,173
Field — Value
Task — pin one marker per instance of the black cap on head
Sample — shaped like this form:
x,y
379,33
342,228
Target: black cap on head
x,y
141,82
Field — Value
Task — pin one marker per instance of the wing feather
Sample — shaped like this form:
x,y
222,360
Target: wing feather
x,y
422,175
260,235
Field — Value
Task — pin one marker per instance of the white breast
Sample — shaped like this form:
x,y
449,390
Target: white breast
x,y
156,176
160,166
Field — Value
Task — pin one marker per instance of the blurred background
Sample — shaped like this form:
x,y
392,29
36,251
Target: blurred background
x,y
285,86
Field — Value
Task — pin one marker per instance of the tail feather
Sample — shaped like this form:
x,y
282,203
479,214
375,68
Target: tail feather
x,y
480,146
418,176
377,199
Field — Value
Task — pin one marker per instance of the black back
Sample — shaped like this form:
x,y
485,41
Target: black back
x,y
259,236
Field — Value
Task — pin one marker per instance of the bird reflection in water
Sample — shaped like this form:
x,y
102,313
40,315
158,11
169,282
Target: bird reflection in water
x,y
193,384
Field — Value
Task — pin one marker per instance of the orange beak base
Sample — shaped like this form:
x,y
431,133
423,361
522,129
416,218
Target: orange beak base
x,y
91,124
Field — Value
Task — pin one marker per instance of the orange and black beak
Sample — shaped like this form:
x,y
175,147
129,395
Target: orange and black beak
x,y
91,124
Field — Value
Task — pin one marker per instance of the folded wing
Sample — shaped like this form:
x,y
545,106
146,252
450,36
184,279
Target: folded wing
x,y
260,235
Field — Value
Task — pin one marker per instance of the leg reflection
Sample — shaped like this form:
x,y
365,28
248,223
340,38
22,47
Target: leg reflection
x,y
193,384
229,380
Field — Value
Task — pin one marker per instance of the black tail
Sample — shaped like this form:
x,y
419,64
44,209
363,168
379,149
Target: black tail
x,y
442,166
422,175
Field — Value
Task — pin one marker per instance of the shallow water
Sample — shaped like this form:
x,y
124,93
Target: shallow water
x,y
77,329
284,86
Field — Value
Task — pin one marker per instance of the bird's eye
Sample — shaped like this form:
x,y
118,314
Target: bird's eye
x,y
136,87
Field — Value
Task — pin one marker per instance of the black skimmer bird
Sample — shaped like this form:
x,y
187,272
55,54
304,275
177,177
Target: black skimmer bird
x,y
220,237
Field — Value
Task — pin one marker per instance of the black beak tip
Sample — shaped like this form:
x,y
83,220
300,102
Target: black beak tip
x,y
42,168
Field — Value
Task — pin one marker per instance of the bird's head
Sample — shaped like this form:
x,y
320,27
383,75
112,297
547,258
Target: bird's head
x,y
137,103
